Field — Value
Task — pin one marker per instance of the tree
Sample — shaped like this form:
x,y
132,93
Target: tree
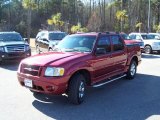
x,y
156,28
29,5
94,23
121,15
139,26
56,20
78,28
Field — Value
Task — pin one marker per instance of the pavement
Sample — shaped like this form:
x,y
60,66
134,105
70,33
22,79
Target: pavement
x,y
136,99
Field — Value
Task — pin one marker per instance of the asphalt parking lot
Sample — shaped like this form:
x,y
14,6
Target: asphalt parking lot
x,y
136,99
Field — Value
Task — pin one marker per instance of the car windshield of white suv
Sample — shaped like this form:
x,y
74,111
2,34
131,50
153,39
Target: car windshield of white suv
x,y
125,37
76,43
56,36
10,37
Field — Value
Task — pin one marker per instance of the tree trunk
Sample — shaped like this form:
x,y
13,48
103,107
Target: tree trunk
x,y
29,15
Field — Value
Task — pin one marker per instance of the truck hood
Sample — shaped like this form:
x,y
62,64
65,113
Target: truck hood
x,y
2,43
128,42
48,58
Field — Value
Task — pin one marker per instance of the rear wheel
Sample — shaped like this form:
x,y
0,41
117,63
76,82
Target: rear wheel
x,y
148,49
76,90
132,70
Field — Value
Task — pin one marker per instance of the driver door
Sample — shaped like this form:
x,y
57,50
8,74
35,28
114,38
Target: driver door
x,y
103,63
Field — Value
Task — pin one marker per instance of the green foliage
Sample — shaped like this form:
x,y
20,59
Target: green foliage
x,y
156,28
139,26
56,20
121,15
78,28
29,4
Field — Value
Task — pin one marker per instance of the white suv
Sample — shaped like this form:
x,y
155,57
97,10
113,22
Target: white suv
x,y
150,43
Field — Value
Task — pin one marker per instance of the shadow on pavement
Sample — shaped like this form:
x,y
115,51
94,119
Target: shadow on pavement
x,y
10,65
150,56
121,100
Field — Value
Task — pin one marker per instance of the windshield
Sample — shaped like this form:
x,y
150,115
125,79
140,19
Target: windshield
x,y
10,37
125,37
56,36
76,43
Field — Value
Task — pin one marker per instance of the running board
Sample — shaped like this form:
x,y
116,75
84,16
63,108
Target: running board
x,y
101,84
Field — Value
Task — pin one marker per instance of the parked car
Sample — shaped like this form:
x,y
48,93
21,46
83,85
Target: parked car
x,y
128,40
80,60
150,44
46,40
13,46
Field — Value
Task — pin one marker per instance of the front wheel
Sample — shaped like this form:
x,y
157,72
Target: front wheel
x,y
76,90
132,70
38,49
148,49
50,50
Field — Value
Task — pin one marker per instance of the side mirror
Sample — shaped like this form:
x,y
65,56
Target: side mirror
x,y
100,51
26,40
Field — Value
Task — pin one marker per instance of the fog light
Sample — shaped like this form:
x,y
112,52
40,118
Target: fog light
x,y
50,88
2,56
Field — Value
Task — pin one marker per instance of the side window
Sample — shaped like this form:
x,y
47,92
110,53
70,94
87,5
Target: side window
x,y
104,42
117,43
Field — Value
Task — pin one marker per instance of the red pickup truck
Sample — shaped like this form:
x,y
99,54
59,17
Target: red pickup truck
x,y
80,60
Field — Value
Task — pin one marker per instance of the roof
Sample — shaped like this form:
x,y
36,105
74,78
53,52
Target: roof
x,y
9,32
96,33
52,31
137,33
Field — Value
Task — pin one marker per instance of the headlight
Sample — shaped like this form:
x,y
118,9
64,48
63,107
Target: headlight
x,y
27,47
54,72
1,49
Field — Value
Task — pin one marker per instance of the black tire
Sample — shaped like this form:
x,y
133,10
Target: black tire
x,y
37,49
132,70
148,49
76,90
50,50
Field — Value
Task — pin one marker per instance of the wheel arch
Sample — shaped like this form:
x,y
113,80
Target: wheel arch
x,y
83,72
135,58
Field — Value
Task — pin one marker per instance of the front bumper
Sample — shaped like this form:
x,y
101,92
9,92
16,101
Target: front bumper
x,y
50,85
14,55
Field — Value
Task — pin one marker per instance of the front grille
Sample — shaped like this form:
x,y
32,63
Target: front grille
x,y
31,69
15,48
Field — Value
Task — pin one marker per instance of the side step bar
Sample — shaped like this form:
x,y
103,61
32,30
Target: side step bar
x,y
101,84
